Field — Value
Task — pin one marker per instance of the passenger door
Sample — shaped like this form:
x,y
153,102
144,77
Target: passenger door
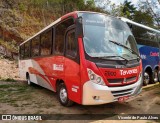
x,y
72,66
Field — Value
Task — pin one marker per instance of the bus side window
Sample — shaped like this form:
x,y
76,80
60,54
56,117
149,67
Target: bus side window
x,y
46,43
35,46
60,30
22,51
27,49
71,48
144,36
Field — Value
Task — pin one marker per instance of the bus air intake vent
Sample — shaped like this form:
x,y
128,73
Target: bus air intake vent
x,y
121,80
131,79
115,80
121,93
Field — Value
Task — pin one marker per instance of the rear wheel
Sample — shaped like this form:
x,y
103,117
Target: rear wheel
x,y
155,76
63,95
146,78
159,75
28,79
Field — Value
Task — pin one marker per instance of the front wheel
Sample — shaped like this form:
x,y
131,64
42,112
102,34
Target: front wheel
x,y
63,95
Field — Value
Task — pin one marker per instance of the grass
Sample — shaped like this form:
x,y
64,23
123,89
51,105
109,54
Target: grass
x,y
3,111
12,93
14,105
8,79
21,96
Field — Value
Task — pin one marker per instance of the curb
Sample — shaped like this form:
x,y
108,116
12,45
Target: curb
x,y
151,85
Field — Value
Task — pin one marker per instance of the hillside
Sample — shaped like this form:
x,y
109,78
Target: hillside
x,y
17,22
20,20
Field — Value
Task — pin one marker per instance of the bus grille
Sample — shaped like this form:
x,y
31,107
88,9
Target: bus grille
x,y
131,79
121,93
121,80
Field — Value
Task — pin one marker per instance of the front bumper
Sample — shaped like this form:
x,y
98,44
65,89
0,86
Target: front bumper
x,y
94,94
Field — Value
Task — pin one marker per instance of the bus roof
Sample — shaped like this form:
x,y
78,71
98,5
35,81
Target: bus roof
x,y
58,20
138,24
49,26
42,30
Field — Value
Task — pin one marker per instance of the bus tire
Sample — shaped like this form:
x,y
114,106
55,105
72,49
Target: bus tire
x,y
146,78
155,76
159,75
63,95
28,79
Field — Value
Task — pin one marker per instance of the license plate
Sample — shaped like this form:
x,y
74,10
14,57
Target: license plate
x,y
122,99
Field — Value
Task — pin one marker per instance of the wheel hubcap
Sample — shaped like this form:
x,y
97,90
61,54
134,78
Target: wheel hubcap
x,y
155,77
63,94
28,80
146,78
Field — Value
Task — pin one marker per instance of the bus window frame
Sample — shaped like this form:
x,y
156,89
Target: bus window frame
x,y
49,29
28,57
144,41
72,29
55,26
20,56
38,46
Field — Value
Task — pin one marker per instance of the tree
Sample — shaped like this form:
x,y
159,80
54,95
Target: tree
x,y
143,18
128,9
152,7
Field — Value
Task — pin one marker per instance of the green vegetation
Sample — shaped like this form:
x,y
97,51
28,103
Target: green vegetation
x,y
11,46
21,95
22,7
8,79
20,20
12,93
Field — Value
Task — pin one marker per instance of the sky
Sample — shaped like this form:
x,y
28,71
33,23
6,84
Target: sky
x,y
117,2
135,2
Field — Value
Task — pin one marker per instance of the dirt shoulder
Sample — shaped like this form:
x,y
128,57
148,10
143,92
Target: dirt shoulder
x,y
8,69
18,97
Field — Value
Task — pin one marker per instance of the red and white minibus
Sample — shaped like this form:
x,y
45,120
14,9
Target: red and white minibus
x,y
86,57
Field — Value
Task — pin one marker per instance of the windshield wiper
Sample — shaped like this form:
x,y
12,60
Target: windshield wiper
x,y
105,57
132,51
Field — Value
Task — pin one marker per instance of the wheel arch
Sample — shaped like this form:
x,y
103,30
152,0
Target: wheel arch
x,y
27,74
58,81
156,67
148,69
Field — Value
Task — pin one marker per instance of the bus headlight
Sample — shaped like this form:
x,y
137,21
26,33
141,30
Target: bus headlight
x,y
92,76
95,78
98,79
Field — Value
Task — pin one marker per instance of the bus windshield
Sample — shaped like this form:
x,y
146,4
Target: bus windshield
x,y
106,36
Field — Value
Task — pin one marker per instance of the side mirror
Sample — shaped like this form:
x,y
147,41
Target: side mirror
x,y
79,27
